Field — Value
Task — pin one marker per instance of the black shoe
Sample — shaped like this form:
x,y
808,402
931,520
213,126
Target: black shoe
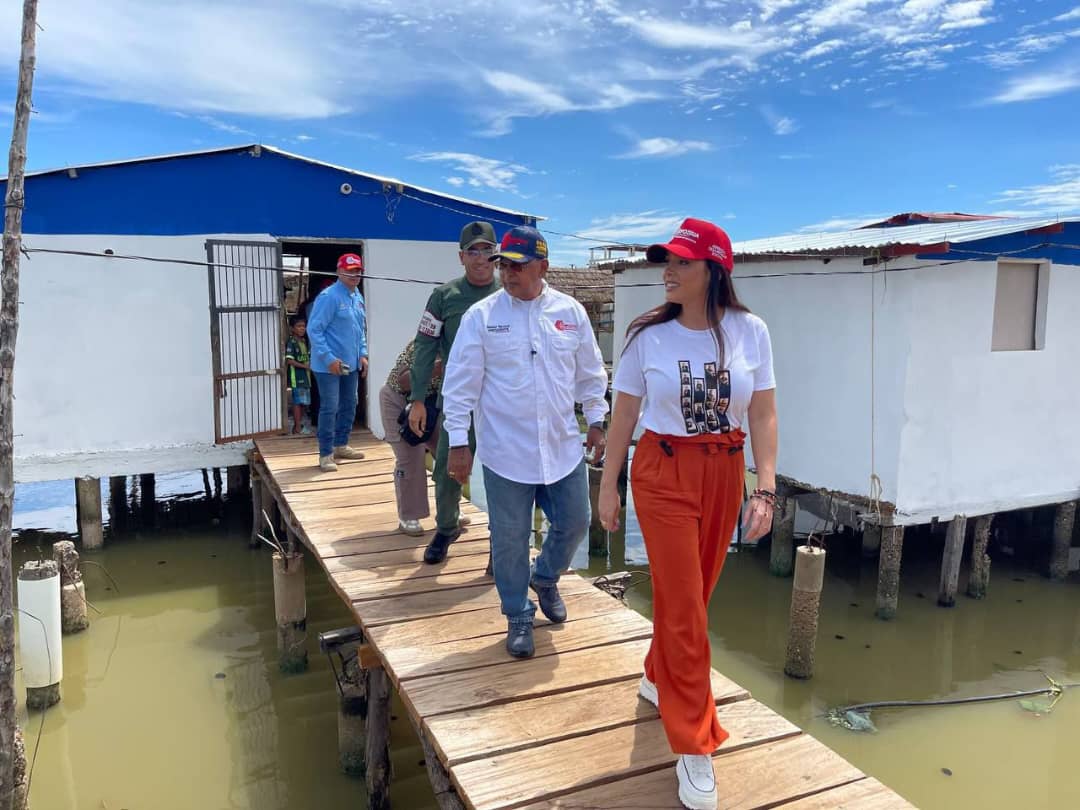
x,y
519,641
489,571
436,549
551,604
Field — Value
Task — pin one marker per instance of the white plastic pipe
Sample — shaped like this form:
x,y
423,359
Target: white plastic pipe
x,y
39,641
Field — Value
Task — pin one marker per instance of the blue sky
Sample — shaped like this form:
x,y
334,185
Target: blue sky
x,y
614,119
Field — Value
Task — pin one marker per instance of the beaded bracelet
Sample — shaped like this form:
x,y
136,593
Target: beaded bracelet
x,y
765,495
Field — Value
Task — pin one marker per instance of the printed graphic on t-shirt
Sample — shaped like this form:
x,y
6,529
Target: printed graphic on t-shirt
x,y
704,400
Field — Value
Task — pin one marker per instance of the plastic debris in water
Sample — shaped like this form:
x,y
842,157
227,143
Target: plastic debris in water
x,y
852,720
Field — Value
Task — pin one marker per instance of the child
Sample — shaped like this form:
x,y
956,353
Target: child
x,y
298,359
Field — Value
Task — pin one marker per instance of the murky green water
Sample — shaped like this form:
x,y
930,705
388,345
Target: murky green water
x,y
173,699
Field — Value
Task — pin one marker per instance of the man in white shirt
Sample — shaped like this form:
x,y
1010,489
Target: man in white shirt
x,y
521,359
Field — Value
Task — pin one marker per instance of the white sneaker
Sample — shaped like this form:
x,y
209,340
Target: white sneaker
x,y
411,527
647,690
347,452
326,464
697,782
464,521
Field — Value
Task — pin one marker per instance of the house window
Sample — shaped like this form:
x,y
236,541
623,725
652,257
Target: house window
x,y
1020,306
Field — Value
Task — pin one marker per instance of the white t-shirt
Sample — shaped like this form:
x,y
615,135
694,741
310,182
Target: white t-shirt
x,y
686,393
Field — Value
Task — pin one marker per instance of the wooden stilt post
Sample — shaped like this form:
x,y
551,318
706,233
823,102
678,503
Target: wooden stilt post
x,y
1064,521
950,561
88,494
217,482
888,588
871,540
805,603
21,796
269,505
352,713
979,578
235,480
118,504
377,756
290,610
73,615
782,550
446,795
256,507
148,500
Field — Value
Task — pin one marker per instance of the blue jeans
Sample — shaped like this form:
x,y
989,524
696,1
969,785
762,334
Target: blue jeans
x,y
337,409
510,520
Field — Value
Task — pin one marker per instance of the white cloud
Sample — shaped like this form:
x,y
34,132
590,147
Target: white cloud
x,y
1039,85
305,138
665,148
781,124
821,49
1060,195
739,41
966,14
841,224
534,94
1069,15
644,226
477,171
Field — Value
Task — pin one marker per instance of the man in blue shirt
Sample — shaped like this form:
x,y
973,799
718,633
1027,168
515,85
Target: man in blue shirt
x,y
339,355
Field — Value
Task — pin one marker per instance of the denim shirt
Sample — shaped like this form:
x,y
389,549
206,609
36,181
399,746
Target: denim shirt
x,y
337,328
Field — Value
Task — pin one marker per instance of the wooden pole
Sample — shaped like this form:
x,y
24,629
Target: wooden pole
x,y
446,795
979,578
377,760
888,587
950,561
1064,521
118,503
14,201
352,713
290,610
256,507
91,532
73,615
871,540
782,549
148,500
805,604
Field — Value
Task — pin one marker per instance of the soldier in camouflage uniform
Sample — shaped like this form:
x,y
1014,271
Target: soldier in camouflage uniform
x,y
435,336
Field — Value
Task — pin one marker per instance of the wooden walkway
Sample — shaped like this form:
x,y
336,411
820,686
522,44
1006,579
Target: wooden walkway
x,y
565,729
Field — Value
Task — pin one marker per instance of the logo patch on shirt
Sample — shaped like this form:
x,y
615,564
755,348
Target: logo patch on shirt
x,y
498,328
430,325
564,326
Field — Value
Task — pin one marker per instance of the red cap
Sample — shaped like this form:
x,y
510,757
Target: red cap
x,y
696,239
351,263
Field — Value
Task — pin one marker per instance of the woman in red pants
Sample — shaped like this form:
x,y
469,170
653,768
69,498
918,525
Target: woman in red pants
x,y
702,365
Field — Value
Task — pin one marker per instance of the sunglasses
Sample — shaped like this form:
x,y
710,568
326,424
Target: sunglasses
x,y
476,253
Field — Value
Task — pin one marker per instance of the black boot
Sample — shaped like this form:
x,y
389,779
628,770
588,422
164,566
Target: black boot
x,y
519,641
436,549
551,604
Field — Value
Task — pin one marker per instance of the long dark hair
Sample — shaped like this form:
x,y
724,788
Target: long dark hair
x,y
721,293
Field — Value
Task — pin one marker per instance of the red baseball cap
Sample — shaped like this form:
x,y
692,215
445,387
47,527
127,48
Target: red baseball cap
x,y
350,263
696,239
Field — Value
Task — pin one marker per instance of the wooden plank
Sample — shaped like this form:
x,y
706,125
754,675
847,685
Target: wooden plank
x,y
460,563
392,563
457,600
378,589
484,622
486,651
380,540
544,772
866,794
479,733
514,680
749,779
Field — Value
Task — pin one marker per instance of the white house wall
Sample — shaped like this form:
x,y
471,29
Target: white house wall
x,y
394,307
113,361
986,430
820,327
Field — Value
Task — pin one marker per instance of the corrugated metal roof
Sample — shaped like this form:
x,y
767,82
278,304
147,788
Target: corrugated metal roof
x,y
283,153
868,238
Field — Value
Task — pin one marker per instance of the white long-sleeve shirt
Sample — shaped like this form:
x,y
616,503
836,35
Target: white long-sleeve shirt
x,y
519,367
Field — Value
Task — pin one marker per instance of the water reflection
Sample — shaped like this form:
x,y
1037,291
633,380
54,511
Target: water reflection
x,y
173,699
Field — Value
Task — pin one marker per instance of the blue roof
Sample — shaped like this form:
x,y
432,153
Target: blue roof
x,y
244,190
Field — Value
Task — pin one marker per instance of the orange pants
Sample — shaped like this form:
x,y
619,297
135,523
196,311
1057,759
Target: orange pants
x,y
687,494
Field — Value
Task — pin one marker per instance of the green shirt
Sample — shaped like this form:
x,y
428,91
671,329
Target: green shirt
x,y
297,349
439,326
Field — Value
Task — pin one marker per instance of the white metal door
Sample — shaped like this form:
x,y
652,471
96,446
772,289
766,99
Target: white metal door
x,y
247,337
